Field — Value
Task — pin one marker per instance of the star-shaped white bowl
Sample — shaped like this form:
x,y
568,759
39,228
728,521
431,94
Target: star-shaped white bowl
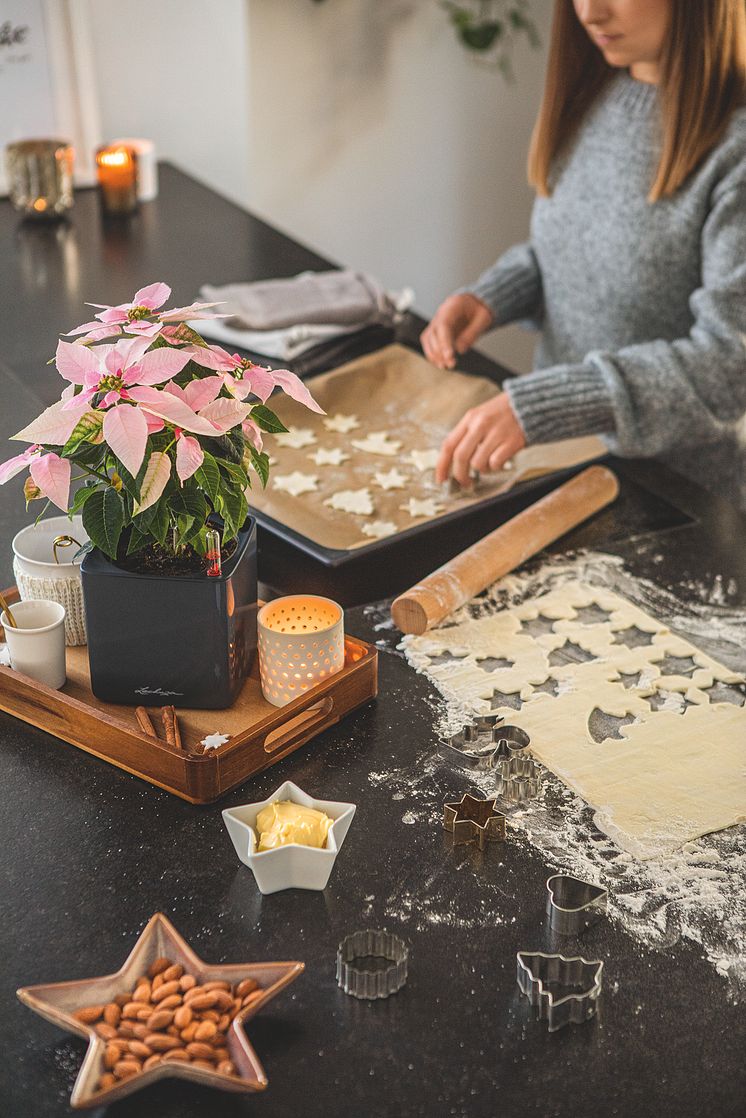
x,y
293,866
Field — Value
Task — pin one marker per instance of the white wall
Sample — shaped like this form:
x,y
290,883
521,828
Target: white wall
x,y
359,126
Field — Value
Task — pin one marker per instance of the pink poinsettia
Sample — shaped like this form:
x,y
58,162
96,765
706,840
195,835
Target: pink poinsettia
x,y
114,369
49,473
15,465
242,377
140,317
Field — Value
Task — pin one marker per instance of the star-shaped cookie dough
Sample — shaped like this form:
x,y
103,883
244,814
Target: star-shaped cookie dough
x,y
425,507
214,741
423,459
329,457
379,528
390,479
342,424
59,1001
296,437
351,500
296,483
378,442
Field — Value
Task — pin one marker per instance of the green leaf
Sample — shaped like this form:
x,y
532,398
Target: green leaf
x,y
208,477
234,509
80,498
266,419
184,333
103,519
260,462
86,430
236,473
189,502
138,541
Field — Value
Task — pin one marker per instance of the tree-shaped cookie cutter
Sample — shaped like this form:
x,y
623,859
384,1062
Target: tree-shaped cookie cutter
x,y
543,978
573,905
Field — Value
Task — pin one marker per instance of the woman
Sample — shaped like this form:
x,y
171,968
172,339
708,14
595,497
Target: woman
x,y
636,268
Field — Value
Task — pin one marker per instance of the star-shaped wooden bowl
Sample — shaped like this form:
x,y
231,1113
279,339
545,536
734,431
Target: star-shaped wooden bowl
x,y
59,1001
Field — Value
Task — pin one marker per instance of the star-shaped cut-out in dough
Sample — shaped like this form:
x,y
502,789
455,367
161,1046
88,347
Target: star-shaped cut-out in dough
x,y
296,437
342,424
352,500
423,459
390,479
59,1001
296,483
421,507
633,637
379,528
378,442
325,456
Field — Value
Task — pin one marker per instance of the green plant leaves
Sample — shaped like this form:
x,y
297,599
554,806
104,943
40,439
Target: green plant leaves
x,y
208,477
266,419
103,519
260,462
86,430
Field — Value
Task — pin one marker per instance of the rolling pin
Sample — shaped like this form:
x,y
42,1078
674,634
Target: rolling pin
x,y
473,570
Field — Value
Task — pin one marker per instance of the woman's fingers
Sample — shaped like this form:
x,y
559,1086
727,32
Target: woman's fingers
x,y
443,465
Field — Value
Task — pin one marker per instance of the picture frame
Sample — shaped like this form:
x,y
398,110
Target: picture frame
x,y
47,79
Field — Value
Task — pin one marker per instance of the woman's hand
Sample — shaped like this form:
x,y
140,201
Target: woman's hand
x,y
454,327
483,440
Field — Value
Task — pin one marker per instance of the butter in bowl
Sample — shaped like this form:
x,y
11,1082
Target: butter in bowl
x,y
290,840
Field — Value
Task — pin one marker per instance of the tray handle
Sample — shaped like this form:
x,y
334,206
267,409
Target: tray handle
x,y
286,736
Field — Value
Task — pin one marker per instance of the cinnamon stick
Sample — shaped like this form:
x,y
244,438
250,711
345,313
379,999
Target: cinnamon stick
x,y
171,727
145,723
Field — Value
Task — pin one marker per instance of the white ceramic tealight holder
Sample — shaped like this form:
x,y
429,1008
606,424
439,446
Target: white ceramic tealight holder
x,y
41,575
301,643
292,866
36,643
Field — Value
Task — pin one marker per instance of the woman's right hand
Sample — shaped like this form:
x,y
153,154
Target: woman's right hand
x,y
454,327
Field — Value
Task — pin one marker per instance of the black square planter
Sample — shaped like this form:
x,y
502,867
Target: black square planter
x,y
162,639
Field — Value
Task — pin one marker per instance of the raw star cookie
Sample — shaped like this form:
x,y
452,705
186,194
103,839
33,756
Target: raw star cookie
x,y
325,457
378,442
425,507
341,423
379,528
296,437
423,459
351,500
295,483
389,479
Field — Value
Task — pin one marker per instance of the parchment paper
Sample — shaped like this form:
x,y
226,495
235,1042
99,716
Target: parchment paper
x,y
394,390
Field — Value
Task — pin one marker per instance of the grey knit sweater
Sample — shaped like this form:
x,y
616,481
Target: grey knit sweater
x,y
641,307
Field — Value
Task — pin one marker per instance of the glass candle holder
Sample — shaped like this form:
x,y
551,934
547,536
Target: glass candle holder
x,y
40,177
301,643
116,169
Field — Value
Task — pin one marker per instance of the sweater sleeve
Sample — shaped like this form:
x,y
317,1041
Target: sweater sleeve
x,y
511,288
657,395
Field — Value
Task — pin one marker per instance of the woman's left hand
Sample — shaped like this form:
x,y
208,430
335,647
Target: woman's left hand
x,y
485,438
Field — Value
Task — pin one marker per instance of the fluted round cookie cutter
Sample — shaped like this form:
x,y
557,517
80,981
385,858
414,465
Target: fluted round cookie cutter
x,y
358,980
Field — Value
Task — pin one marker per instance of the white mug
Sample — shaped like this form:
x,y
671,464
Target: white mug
x,y
37,644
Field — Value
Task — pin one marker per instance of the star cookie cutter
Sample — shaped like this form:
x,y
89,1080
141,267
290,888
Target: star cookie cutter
x,y
573,905
474,820
519,779
542,978
386,972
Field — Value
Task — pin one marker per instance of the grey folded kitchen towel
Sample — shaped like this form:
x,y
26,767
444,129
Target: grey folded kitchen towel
x,y
343,298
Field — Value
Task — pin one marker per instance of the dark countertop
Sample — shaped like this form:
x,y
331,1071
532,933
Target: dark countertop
x,y
88,853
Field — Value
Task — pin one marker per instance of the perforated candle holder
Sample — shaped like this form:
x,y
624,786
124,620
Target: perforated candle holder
x,y
301,643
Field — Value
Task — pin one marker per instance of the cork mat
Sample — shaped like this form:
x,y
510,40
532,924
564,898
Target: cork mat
x,y
395,391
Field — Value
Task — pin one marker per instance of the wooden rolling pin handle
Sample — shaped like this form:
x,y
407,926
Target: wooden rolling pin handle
x,y
467,574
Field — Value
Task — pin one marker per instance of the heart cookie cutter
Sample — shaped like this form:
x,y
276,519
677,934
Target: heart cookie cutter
x,y
573,905
542,978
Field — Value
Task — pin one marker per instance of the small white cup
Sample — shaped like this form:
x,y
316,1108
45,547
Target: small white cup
x,y
37,646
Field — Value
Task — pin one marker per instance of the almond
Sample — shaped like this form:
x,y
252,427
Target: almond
x,y
131,1008
112,1013
187,982
210,1015
126,1028
159,965
161,1019
125,1068
226,1067
172,1030
122,999
142,993
187,1034
178,1054
140,1030
89,1014
206,1030
201,1000
165,991
151,1061
221,1053
175,971
216,985
250,999
236,1006
182,1016
223,1023
112,1054
204,1064
107,1081
140,1049
107,1032
145,1013
246,986
171,1002
156,983
223,1000
160,1042
200,1050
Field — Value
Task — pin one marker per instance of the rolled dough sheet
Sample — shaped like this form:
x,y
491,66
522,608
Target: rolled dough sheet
x,y
672,775
398,392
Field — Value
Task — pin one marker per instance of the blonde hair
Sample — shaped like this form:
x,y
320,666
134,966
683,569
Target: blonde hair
x,y
703,79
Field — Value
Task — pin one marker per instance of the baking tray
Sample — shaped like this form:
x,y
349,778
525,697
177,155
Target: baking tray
x,y
261,734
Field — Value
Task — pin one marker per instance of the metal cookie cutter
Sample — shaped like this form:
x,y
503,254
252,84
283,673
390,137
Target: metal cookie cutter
x,y
509,741
519,779
564,991
372,964
474,820
573,905
470,744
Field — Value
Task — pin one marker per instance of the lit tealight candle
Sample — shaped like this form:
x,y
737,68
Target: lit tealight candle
x,y
117,178
301,643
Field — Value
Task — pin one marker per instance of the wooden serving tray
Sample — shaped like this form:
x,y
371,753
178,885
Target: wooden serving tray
x,y
260,734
